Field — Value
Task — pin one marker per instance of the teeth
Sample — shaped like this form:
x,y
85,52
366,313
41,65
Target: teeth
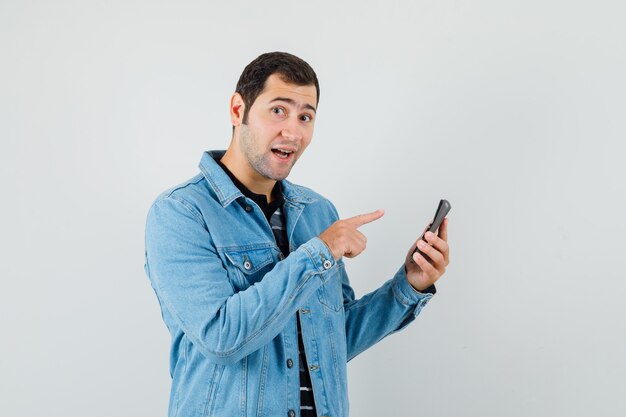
x,y
284,151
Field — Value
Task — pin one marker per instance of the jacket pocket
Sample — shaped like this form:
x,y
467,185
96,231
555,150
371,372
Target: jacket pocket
x,y
250,265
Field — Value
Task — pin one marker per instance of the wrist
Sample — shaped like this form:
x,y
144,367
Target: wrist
x,y
424,288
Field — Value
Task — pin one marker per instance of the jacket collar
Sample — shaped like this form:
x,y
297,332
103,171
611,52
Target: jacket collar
x,y
227,192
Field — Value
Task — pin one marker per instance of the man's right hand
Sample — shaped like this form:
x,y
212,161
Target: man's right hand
x,y
343,238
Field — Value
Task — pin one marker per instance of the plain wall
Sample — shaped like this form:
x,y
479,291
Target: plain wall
x,y
512,110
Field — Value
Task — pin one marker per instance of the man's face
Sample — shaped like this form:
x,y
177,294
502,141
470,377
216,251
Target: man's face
x,y
279,128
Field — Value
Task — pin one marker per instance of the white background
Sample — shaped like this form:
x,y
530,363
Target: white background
x,y
512,110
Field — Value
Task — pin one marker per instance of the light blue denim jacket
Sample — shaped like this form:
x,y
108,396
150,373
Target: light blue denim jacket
x,y
229,300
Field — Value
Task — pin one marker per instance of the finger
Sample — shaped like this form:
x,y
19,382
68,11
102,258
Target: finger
x,y
355,244
360,242
361,219
361,237
428,269
438,243
354,251
436,256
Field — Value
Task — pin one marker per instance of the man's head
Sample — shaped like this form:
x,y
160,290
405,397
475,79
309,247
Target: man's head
x,y
273,114
289,68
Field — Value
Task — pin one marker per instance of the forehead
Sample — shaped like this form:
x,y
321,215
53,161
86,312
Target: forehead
x,y
275,87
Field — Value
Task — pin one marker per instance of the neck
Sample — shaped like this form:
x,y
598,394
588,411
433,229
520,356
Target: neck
x,y
242,170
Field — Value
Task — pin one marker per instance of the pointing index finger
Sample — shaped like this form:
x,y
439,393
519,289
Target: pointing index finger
x,y
361,219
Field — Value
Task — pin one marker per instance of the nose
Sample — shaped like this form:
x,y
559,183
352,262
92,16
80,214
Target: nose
x,y
292,129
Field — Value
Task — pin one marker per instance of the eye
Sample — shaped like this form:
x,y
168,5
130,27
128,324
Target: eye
x,y
306,118
278,111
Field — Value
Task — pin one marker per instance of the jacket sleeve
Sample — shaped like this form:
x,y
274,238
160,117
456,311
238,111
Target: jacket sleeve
x,y
380,313
384,311
191,283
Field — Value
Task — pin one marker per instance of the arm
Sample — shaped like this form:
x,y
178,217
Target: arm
x,y
190,280
397,302
380,313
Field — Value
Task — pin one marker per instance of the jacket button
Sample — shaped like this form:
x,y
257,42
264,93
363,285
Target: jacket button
x,y
289,363
247,265
327,264
248,209
291,413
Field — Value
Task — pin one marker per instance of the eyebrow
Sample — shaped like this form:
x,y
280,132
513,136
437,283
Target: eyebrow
x,y
293,103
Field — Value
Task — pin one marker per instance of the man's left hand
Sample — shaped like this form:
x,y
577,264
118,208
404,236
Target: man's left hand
x,y
421,273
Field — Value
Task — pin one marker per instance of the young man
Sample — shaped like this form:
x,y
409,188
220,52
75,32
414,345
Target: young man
x,y
248,269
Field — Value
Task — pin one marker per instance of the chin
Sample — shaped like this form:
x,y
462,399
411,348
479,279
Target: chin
x,y
279,177
282,175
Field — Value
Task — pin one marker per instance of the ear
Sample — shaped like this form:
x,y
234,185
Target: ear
x,y
237,108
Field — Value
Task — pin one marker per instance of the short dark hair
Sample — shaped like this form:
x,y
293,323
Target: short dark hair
x,y
290,68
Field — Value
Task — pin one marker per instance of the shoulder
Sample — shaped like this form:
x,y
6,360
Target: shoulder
x,y
186,190
190,194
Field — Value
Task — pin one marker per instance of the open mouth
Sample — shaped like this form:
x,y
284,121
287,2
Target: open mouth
x,y
282,153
